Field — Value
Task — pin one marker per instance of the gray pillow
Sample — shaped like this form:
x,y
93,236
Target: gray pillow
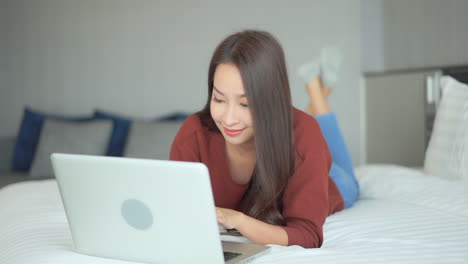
x,y
90,138
151,140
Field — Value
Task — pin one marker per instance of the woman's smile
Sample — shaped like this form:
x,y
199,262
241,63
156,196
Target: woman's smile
x,y
232,132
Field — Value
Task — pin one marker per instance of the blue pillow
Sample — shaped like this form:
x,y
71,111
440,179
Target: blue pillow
x,y
28,137
119,132
177,116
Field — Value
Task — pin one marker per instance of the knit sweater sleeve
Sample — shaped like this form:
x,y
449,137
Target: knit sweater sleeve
x,y
305,200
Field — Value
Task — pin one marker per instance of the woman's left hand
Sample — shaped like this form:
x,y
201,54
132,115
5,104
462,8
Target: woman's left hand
x,y
228,218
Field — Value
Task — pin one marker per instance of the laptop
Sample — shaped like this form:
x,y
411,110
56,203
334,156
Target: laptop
x,y
151,211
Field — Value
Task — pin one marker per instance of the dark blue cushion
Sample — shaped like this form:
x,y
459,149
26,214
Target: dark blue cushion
x,y
119,132
177,116
28,137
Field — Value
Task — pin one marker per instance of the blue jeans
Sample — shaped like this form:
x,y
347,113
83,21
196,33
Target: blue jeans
x,y
341,171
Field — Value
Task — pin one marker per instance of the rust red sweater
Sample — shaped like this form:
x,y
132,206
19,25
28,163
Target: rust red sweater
x,y
311,195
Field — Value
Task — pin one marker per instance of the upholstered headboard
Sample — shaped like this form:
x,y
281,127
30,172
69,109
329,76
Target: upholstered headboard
x,y
460,73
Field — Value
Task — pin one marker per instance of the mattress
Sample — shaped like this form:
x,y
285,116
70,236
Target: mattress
x,y
402,216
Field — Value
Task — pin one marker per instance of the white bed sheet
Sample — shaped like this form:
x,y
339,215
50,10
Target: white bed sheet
x,y
402,216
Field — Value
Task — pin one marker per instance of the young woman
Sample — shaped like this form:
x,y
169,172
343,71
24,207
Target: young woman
x,y
268,161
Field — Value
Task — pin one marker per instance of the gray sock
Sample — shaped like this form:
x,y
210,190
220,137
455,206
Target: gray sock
x,y
330,62
327,66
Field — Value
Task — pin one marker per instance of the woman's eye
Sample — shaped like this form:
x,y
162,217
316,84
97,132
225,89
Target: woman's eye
x,y
244,105
216,100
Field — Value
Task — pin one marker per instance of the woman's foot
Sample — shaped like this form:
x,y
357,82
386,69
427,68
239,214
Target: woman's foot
x,y
318,97
317,83
326,91
327,65
330,62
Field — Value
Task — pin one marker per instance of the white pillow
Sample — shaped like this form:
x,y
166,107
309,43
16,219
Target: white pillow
x,y
447,153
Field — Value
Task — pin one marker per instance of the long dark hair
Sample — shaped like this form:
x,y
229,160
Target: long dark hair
x,y
260,60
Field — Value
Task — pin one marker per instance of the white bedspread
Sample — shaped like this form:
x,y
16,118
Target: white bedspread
x,y
402,216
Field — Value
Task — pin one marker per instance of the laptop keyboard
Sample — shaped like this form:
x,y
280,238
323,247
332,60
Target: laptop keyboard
x,y
230,255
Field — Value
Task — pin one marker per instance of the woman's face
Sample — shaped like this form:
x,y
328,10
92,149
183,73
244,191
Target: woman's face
x,y
229,106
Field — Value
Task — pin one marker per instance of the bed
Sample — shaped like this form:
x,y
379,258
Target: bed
x,y
403,215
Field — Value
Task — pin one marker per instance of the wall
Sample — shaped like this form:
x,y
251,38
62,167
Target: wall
x,y
401,34
372,43
146,58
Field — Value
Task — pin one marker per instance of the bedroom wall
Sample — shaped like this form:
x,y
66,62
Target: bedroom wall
x,y
146,58
401,34
3,48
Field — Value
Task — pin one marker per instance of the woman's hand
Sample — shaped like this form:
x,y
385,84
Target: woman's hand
x,y
255,230
228,218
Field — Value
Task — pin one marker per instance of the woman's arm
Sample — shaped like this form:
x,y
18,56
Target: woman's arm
x,y
255,230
